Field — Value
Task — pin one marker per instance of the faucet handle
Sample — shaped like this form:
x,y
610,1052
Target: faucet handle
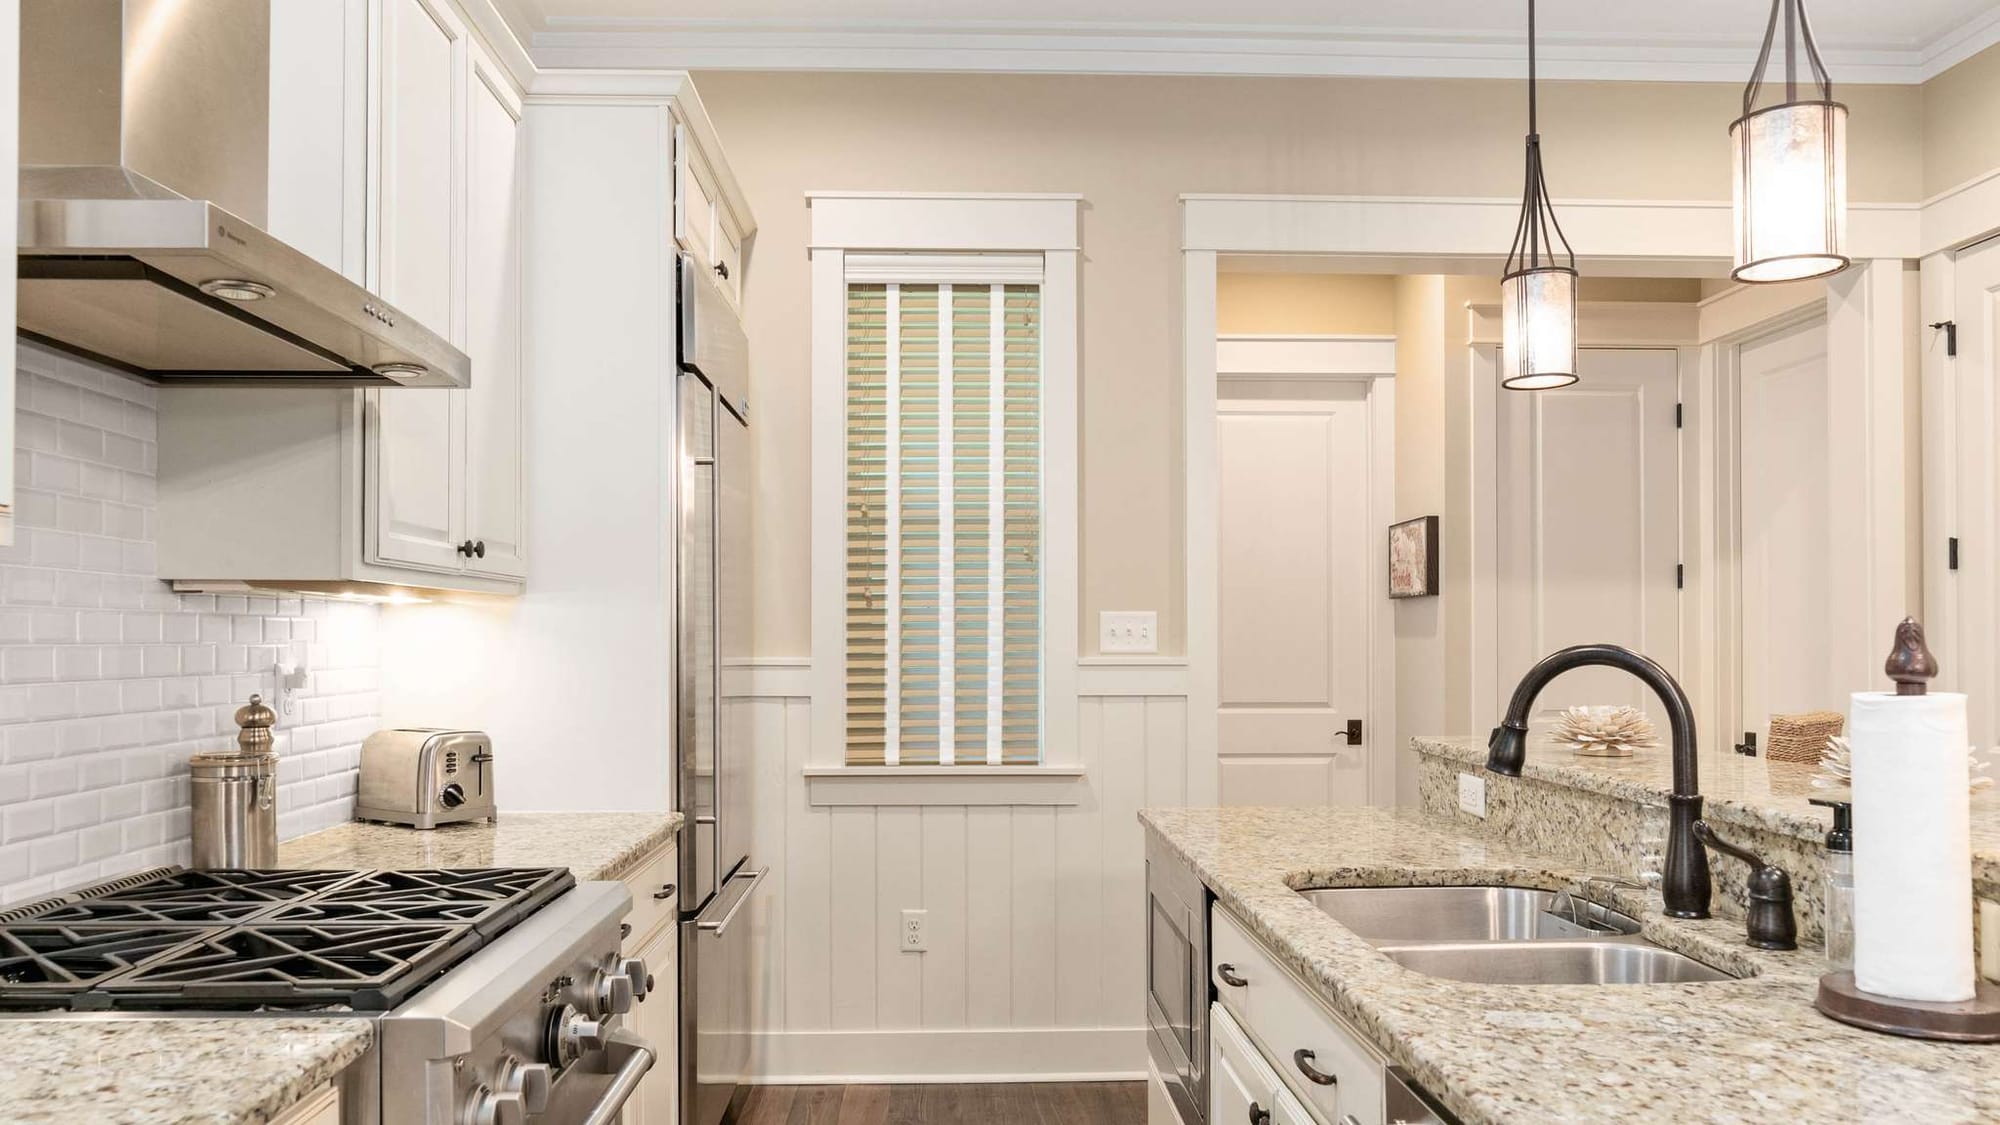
x,y
1769,919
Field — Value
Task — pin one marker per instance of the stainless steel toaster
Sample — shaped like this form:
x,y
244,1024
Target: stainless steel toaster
x,y
424,777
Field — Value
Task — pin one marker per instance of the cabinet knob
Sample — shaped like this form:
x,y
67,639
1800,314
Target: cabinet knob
x,y
471,549
722,270
1259,1115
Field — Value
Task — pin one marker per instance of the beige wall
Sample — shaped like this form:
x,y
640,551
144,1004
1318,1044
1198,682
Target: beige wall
x,y
1131,146
1961,122
1331,304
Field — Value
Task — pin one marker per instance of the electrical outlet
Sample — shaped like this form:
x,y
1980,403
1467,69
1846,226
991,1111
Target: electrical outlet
x,y
914,939
1472,794
1132,631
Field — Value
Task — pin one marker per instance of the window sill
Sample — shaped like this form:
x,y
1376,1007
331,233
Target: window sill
x,y
944,785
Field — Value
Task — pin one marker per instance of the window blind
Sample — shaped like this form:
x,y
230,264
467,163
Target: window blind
x,y
944,524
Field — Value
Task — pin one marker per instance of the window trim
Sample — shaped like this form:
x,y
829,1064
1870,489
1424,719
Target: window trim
x,y
890,234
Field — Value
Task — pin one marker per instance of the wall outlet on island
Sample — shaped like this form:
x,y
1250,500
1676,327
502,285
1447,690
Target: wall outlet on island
x,y
1472,794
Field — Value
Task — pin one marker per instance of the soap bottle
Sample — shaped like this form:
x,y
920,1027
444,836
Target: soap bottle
x,y
1839,885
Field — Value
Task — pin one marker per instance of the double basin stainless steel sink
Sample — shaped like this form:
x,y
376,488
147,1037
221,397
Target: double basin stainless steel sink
x,y
1506,935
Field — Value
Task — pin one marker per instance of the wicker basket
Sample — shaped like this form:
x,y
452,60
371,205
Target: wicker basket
x,y
1801,738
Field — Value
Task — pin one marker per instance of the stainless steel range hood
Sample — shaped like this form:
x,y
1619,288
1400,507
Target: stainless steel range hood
x,y
144,174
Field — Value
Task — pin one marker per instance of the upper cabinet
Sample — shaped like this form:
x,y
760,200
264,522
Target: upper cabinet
x,y
705,224
418,487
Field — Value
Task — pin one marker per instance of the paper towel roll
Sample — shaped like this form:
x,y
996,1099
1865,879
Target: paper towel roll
x,y
1912,847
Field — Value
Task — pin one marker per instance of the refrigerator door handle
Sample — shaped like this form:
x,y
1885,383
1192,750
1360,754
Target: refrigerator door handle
x,y
750,881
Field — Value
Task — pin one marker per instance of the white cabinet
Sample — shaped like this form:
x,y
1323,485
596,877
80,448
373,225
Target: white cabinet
x,y
407,487
706,225
10,96
655,939
321,1107
1326,1066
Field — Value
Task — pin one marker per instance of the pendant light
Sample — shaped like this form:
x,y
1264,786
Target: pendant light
x,y
1790,164
1538,289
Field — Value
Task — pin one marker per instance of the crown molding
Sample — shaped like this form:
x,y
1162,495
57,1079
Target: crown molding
x,y
1177,49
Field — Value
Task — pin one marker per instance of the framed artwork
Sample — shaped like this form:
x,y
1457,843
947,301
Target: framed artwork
x,y
1413,558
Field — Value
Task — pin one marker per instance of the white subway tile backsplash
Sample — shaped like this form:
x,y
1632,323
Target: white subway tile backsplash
x,y
109,680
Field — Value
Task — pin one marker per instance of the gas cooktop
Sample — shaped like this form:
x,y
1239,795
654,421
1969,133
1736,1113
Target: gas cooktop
x,y
284,940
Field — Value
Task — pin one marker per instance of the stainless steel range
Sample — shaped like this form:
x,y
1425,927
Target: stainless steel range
x,y
498,993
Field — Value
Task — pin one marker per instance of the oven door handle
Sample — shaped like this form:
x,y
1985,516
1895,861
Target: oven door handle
x,y
635,1057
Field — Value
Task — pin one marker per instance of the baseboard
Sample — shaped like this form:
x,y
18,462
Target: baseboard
x,y
1107,1054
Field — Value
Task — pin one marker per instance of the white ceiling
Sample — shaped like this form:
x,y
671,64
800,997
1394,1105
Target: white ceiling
x,y
1865,40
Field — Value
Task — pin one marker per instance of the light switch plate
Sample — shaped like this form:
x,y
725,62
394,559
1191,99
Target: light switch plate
x,y
1128,631
1472,794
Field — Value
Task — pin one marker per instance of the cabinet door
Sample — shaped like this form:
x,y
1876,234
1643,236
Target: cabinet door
x,y
495,488
416,440
657,1019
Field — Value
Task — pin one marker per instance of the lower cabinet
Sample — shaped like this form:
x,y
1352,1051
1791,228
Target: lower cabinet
x,y
1311,1054
655,939
1242,1088
321,1107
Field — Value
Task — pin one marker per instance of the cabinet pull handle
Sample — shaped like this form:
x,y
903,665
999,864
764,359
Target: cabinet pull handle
x,y
1303,1059
1349,1119
1227,972
1259,1115
722,270
666,891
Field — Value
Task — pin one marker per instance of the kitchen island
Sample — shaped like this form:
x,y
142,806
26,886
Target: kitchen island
x,y
1749,1050
168,1070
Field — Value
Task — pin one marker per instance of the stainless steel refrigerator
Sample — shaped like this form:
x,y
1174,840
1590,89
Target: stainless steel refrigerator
x,y
719,877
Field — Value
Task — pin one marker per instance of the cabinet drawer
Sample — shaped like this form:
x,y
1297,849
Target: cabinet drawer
x,y
1279,1014
654,899
1241,1087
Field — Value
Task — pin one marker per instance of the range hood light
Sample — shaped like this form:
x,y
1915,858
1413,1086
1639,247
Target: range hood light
x,y
400,370
237,289
1790,165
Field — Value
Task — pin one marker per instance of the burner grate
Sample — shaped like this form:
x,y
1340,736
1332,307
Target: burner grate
x,y
286,939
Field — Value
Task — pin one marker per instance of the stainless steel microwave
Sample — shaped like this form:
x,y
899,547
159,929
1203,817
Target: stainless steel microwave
x,y
1177,990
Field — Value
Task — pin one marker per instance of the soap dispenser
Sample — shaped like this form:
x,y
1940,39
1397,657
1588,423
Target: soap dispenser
x,y
1839,885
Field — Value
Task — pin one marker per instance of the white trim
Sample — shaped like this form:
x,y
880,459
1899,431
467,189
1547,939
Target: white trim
x,y
1015,1054
1165,676
976,224
1199,345
1651,237
918,221
878,786
768,677
1743,307
946,269
1317,357
1960,216
1128,47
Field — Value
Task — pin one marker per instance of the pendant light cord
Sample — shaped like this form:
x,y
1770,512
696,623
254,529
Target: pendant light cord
x,y
1537,234
1797,30
1532,130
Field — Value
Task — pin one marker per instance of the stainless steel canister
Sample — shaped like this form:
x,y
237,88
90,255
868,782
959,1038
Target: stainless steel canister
x,y
235,797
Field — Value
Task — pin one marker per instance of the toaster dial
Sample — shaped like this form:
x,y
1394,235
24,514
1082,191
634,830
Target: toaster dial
x,y
452,795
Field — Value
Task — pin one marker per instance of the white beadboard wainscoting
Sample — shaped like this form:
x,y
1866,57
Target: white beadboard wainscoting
x,y
1035,914
109,680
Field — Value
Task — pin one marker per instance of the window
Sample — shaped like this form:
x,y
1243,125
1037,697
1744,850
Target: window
x,y
944,519
944,507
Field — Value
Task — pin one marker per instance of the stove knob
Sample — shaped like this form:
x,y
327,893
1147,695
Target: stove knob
x,y
498,1107
614,994
532,1082
635,971
581,1034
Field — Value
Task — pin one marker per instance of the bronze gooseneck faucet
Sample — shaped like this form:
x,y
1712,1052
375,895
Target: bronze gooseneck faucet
x,y
1684,882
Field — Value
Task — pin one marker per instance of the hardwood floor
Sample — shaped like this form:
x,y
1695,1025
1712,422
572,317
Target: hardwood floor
x,y
1091,1103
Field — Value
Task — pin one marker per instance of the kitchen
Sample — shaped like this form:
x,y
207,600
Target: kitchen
x,y
520,461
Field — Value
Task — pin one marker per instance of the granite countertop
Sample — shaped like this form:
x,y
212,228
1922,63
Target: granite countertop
x,y
1749,1050
591,845
151,1071
1755,792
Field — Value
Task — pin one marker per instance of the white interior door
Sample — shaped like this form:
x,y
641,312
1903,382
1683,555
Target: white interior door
x,y
1589,524
1976,274
1783,449
1293,488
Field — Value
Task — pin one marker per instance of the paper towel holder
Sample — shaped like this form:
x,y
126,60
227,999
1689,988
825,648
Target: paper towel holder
x,y
1977,1020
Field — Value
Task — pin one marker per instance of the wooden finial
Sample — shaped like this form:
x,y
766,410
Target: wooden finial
x,y
1912,664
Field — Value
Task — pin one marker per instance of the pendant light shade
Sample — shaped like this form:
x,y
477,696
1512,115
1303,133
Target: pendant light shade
x,y
1790,164
1538,290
